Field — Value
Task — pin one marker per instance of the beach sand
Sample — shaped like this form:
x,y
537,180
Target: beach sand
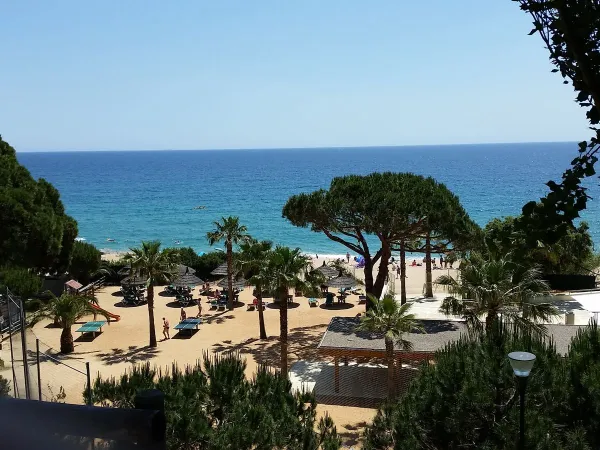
x,y
125,342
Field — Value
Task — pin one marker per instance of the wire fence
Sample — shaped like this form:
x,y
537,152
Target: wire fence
x,y
36,370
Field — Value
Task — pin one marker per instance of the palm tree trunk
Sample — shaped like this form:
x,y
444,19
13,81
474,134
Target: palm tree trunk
x,y
152,327
66,340
283,330
428,275
261,316
389,351
490,318
402,273
229,276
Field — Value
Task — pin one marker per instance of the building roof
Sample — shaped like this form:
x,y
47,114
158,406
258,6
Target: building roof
x,y
73,284
341,336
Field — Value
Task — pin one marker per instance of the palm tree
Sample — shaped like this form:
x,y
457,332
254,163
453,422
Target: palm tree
x,y
252,261
65,311
149,261
392,320
496,286
230,231
288,269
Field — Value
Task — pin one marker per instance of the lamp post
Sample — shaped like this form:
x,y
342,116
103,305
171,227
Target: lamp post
x,y
522,363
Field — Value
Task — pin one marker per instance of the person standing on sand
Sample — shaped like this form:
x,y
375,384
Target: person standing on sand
x,y
398,272
182,315
166,329
199,308
348,257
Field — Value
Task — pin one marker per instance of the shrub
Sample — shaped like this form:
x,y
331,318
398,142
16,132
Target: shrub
x,y
468,398
4,387
85,261
20,281
213,406
203,264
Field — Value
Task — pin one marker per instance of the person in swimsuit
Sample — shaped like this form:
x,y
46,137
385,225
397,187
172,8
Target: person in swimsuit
x,y
166,329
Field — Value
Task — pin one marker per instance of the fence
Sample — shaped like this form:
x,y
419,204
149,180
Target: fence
x,y
37,370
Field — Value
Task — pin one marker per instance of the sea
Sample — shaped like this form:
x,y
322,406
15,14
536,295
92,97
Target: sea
x,y
120,198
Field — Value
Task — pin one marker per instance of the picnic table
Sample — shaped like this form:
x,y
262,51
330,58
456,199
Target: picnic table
x,y
92,327
189,324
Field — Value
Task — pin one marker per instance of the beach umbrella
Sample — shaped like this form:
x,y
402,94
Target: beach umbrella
x,y
327,271
125,271
220,270
341,281
238,283
187,279
181,269
134,281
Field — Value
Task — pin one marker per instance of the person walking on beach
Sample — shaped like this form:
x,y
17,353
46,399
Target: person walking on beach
x,y
348,257
182,315
398,272
199,308
441,261
166,328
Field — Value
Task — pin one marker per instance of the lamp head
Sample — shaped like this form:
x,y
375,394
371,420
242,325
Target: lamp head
x,y
521,363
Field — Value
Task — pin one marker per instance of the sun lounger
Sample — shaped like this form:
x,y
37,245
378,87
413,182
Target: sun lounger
x,y
92,327
313,302
190,325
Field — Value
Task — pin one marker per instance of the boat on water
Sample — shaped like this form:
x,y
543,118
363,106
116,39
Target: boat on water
x,y
178,242
200,207
110,240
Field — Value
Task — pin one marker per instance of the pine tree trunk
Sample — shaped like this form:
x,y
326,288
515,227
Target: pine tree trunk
x,y
369,282
382,272
389,351
66,341
402,273
261,316
229,276
428,274
283,331
152,327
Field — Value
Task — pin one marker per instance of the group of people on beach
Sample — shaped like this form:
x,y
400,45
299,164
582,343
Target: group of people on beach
x,y
443,265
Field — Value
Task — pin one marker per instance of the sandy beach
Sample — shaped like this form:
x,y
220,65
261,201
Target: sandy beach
x,y
125,342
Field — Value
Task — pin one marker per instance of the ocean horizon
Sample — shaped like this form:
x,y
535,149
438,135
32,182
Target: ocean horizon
x,y
120,198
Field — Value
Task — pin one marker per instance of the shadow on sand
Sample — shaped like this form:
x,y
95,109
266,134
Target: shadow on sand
x,y
133,354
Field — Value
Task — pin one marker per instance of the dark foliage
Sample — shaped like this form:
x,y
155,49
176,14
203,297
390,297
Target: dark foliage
x,y
213,406
35,232
4,386
203,264
569,29
572,253
20,281
85,261
468,398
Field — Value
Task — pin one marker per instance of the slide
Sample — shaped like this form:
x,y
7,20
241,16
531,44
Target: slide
x,y
115,317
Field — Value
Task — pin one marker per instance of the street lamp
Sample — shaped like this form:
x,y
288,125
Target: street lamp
x,y
522,363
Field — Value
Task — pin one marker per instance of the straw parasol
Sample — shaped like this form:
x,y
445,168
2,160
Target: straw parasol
x,y
187,279
327,271
134,281
341,281
125,271
182,269
220,270
238,283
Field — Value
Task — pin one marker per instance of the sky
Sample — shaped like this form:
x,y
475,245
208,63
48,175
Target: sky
x,y
194,74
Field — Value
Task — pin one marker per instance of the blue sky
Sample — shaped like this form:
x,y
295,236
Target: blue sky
x,y
192,74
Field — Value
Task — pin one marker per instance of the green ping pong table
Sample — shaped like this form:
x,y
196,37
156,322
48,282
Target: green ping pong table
x,y
92,327
190,325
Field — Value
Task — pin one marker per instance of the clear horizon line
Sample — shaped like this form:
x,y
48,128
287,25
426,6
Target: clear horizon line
x,y
340,147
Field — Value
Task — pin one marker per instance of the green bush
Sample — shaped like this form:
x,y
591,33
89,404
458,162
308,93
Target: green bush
x,y
468,398
4,387
202,264
213,406
85,261
20,281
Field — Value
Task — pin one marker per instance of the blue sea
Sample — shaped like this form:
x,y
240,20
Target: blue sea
x,y
130,196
